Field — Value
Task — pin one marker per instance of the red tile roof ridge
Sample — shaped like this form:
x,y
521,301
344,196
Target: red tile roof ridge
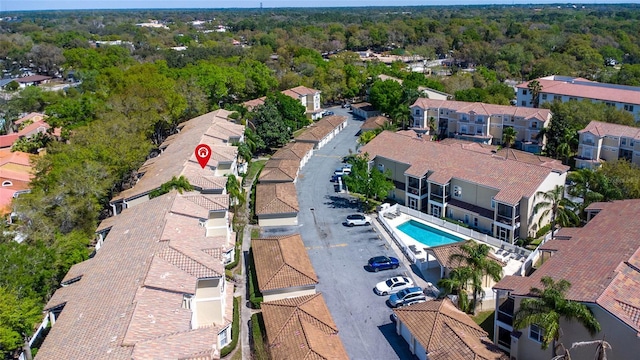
x,y
603,128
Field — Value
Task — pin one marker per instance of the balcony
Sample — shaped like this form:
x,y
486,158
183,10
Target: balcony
x,y
413,190
505,312
508,220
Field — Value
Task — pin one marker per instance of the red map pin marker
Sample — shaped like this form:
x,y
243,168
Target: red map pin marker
x,y
203,154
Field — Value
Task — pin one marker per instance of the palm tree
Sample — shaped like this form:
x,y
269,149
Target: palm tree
x,y
235,191
547,307
402,115
535,88
566,147
509,136
456,283
432,126
555,204
475,258
601,349
366,136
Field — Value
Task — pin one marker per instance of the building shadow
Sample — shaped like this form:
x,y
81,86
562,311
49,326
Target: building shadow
x,y
396,341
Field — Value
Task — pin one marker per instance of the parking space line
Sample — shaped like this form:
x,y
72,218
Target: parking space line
x,y
322,247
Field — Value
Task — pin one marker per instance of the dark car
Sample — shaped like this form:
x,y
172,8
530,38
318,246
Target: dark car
x,y
334,177
383,263
328,113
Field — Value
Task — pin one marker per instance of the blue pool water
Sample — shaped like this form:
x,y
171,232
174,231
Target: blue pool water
x,y
427,235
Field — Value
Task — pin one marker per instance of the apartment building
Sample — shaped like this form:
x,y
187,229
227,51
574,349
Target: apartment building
x,y
566,88
607,142
480,122
177,158
491,191
309,98
601,261
155,290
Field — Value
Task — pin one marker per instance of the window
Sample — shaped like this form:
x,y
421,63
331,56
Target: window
x,y
609,103
573,98
457,191
557,97
7,183
381,167
536,333
523,103
417,111
493,203
524,92
223,338
475,222
624,141
544,96
628,107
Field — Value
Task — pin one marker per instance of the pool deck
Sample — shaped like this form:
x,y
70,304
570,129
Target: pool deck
x,y
512,266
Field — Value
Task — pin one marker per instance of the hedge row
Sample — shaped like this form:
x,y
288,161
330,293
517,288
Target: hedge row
x,y
235,329
255,297
258,332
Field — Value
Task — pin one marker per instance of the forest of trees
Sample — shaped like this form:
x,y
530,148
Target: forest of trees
x,y
130,97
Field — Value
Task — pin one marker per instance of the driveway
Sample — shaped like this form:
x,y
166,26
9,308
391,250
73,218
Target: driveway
x,y
339,253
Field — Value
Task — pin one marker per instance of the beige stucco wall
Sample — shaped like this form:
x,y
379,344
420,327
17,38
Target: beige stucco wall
x,y
136,201
209,302
290,220
527,218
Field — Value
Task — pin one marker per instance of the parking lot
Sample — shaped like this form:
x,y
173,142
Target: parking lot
x,y
339,254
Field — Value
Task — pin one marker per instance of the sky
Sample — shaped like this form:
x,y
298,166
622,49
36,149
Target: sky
x,y
13,5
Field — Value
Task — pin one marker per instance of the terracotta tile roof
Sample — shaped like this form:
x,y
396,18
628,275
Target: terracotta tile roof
x,y
198,178
199,205
301,328
529,158
293,151
141,279
332,120
95,329
464,107
315,132
279,171
279,198
582,88
77,271
254,103
178,156
282,262
303,90
32,78
602,129
8,140
446,332
513,179
373,123
600,260
34,116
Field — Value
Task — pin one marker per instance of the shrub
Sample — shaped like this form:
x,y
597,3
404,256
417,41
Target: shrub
x,y
255,297
543,230
257,331
235,329
239,237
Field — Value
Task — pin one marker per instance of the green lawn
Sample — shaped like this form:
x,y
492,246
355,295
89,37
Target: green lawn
x,y
254,169
485,320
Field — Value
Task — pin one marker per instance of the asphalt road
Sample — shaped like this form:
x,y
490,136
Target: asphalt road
x,y
339,254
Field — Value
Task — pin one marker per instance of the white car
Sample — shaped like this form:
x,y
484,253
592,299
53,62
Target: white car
x,y
393,285
357,219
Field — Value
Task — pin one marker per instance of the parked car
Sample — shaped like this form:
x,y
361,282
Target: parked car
x,y
346,106
383,263
328,113
334,177
357,220
393,285
408,296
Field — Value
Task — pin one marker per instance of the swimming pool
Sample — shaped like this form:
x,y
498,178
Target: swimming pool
x,y
427,235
